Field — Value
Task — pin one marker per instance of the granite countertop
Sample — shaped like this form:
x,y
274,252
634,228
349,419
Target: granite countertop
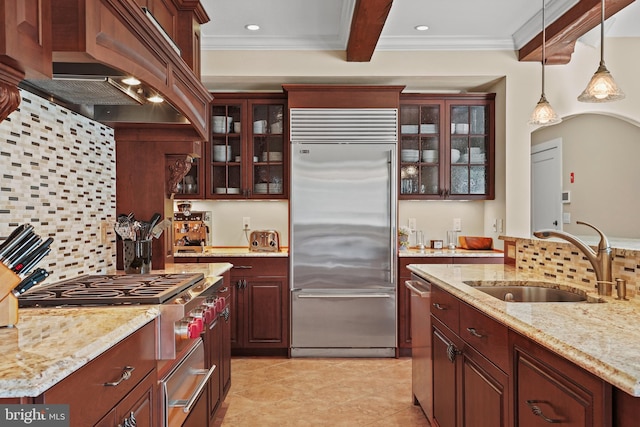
x,y
231,252
415,252
49,344
599,337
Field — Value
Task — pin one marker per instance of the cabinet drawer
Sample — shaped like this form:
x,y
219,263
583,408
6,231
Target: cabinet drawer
x,y
485,335
259,266
85,390
445,307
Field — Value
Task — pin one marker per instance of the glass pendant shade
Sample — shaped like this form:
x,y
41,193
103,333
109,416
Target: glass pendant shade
x,y
543,114
601,87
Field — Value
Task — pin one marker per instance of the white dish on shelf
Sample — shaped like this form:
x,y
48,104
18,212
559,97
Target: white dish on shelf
x,y
428,128
410,155
264,188
409,128
430,156
455,155
230,190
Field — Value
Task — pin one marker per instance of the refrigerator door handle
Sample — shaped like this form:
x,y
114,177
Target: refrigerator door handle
x,y
392,217
345,295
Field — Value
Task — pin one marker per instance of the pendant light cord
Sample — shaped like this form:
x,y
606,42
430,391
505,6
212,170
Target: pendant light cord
x,y
602,33
544,42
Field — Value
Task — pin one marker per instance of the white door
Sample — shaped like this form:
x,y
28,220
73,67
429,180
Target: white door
x,y
546,185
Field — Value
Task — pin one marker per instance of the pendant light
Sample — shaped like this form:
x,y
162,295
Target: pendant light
x,y
601,87
544,114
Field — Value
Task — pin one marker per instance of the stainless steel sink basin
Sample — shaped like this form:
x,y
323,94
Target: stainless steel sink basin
x,y
528,292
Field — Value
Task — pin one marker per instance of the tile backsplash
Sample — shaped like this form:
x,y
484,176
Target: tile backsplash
x,y
59,174
562,261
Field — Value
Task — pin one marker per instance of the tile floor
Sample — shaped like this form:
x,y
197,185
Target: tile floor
x,y
320,392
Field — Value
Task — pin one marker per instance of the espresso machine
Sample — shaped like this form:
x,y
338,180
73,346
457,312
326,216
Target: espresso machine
x,y
191,231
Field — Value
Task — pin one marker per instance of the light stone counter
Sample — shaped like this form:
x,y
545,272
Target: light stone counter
x,y
458,253
223,252
603,338
49,344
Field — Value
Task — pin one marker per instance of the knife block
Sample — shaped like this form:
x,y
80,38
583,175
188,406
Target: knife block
x,y
8,301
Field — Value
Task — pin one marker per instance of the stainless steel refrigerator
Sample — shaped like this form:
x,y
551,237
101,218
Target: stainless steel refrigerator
x,y
343,232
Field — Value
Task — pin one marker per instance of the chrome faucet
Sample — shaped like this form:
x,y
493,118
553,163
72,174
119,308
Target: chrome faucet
x,y
600,260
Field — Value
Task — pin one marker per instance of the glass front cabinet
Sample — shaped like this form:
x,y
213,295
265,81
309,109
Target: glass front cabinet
x,y
247,153
446,147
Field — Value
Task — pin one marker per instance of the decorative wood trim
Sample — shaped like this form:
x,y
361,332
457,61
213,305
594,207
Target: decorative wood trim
x,y
342,96
177,168
563,33
368,20
9,93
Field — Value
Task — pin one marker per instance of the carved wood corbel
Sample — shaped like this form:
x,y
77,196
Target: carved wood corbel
x,y
178,167
9,93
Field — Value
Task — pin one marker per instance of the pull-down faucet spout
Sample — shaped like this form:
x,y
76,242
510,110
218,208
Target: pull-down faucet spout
x,y
600,260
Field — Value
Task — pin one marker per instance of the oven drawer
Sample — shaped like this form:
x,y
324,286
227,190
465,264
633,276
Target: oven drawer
x,y
99,385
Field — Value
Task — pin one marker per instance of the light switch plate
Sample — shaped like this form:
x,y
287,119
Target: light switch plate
x,y
566,217
457,224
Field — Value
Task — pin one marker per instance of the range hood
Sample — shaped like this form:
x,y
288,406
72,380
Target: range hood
x,y
97,91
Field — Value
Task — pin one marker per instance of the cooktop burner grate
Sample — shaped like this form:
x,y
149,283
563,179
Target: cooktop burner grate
x,y
111,290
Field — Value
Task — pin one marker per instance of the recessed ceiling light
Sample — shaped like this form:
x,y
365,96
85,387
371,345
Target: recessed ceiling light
x,y
421,27
252,27
131,81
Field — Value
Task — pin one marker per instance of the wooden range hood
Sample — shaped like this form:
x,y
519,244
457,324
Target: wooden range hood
x,y
115,38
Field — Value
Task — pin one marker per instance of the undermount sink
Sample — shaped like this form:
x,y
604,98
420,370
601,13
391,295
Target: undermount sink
x,y
528,291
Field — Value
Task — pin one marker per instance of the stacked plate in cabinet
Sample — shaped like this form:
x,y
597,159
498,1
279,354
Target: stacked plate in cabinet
x,y
222,153
267,188
272,156
222,124
409,155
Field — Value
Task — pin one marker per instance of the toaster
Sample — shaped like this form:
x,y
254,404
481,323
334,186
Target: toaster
x,y
264,241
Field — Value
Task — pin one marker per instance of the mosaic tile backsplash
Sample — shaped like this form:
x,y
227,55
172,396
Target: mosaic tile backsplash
x,y
562,261
59,174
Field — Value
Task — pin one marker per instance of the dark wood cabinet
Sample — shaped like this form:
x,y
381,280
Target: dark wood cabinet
x,y
137,408
248,152
447,147
404,296
549,389
92,402
259,287
468,388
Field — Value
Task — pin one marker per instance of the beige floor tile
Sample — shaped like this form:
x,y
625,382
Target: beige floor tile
x,y
310,392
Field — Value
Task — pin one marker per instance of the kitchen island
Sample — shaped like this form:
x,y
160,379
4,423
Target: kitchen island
x,y
49,344
570,343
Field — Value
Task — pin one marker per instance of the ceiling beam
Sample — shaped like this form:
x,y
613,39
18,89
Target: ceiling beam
x,y
368,20
563,33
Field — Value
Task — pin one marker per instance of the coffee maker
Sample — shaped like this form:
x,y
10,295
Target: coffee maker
x,y
191,231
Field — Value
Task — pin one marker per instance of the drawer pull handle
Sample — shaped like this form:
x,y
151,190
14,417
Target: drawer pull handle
x,y
243,267
475,333
439,306
538,412
126,374
223,290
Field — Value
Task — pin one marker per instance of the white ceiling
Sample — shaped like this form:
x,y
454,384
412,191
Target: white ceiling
x,y
453,24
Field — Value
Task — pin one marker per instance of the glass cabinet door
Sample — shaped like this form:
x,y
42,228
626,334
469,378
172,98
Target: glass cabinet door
x,y
226,150
420,153
268,146
469,150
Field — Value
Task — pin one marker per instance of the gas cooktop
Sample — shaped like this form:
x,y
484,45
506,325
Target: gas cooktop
x,y
113,289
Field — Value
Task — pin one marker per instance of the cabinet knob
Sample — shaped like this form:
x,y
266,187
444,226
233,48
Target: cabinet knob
x,y
452,352
538,412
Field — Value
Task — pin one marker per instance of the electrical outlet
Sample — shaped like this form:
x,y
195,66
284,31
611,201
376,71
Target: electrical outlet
x,y
412,224
246,223
457,224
